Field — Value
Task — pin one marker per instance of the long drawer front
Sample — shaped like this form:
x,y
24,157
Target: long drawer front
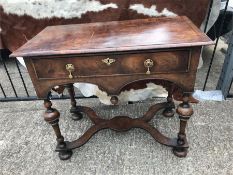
x,y
110,65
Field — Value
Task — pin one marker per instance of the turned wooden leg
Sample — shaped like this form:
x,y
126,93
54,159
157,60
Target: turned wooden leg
x,y
169,111
76,114
52,117
185,111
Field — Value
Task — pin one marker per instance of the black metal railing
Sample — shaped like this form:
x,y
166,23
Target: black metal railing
x,y
217,40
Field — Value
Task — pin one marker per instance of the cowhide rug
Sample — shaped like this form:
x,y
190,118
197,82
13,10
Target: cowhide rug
x,y
76,8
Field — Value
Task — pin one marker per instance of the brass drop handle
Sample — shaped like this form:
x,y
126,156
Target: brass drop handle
x,y
108,61
148,64
70,69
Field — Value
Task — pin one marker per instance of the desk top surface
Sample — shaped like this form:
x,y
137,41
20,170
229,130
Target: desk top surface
x,y
131,35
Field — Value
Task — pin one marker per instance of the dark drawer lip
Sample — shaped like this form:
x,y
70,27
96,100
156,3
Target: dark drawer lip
x,y
109,54
112,53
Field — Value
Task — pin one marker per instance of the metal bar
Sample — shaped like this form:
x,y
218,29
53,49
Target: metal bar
x,y
2,90
216,44
54,97
226,77
228,94
31,98
8,75
24,85
208,16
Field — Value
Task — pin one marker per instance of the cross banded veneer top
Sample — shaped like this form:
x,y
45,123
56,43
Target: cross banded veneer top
x,y
131,35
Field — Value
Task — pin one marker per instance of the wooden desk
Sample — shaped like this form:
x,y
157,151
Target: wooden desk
x,y
114,56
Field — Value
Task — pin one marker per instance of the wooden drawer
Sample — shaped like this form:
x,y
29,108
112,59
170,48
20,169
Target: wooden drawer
x,y
124,64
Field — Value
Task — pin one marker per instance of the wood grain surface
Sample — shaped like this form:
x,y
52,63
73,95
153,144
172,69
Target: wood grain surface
x,y
140,34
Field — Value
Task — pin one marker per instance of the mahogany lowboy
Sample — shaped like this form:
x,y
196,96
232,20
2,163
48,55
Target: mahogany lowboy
x,y
117,56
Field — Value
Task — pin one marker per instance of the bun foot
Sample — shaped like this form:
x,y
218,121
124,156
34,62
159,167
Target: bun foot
x,y
168,112
65,155
180,152
76,115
